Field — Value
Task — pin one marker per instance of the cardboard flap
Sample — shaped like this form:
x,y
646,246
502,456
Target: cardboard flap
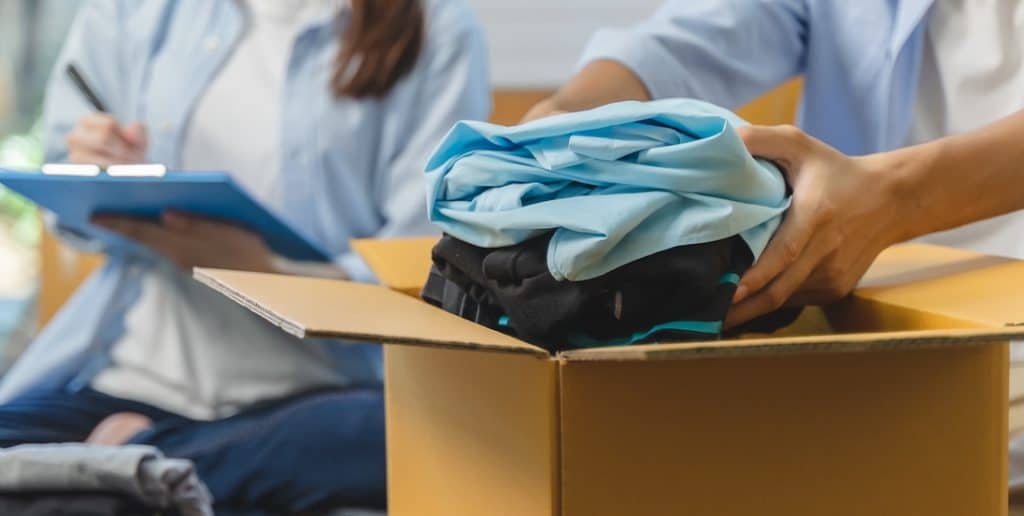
x,y
400,264
953,283
844,343
323,308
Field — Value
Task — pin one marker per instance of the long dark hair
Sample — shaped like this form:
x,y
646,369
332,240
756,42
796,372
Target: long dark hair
x,y
380,45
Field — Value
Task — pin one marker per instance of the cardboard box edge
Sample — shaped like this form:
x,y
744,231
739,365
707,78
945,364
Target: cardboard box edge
x,y
288,326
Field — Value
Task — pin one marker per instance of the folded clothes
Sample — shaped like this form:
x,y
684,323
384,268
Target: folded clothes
x,y
679,294
141,472
615,184
628,223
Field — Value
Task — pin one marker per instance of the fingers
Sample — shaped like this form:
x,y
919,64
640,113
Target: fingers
x,y
778,292
100,133
785,144
166,243
135,134
99,139
213,243
200,227
785,247
91,157
177,221
135,229
189,241
833,279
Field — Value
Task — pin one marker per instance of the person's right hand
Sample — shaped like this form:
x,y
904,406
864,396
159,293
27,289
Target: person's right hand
x,y
845,210
99,139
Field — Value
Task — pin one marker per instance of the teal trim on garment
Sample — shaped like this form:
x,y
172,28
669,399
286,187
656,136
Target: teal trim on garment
x,y
503,320
713,328
729,277
710,328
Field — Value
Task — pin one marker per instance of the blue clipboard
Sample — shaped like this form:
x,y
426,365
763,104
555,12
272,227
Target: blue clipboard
x,y
74,199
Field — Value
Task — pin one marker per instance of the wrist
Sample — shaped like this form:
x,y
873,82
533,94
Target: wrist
x,y
901,178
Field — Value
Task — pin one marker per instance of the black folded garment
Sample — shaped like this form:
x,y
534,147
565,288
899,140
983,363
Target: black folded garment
x,y
678,294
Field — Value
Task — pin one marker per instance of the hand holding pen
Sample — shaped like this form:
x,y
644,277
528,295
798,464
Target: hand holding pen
x,y
98,138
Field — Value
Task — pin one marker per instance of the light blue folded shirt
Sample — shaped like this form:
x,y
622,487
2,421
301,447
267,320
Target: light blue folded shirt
x,y
616,184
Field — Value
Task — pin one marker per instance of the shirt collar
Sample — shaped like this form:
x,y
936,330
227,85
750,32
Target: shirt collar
x,y
909,15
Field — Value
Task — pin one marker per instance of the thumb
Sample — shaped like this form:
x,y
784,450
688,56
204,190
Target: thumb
x,y
784,144
135,134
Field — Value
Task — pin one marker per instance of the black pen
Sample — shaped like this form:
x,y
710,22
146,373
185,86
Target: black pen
x,y
85,89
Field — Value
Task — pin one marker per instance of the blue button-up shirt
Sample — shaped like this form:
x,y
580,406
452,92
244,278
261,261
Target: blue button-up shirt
x,y
353,167
860,60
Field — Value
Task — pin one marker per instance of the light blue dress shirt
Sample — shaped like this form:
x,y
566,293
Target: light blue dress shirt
x,y
860,60
353,167
616,184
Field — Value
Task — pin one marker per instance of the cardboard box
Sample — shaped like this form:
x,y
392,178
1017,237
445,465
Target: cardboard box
x,y
891,403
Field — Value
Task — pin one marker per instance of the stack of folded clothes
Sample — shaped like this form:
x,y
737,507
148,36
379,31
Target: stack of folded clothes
x,y
629,223
91,480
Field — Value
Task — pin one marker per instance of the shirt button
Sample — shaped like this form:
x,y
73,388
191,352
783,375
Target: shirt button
x,y
166,127
212,43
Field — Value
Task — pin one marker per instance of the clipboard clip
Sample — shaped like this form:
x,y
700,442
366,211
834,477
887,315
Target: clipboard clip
x,y
71,169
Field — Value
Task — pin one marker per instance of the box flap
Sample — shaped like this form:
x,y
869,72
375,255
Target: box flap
x,y
323,308
400,264
839,343
959,284
968,298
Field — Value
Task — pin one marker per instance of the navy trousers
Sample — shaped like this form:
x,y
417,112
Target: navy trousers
x,y
315,451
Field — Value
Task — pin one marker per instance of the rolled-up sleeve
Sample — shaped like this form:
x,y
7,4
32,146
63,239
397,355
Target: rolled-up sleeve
x,y
722,51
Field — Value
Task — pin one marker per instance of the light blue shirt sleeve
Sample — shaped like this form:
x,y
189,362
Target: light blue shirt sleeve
x,y
726,52
93,45
453,85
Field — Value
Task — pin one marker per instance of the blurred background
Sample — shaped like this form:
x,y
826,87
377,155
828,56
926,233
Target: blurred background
x,y
31,32
37,273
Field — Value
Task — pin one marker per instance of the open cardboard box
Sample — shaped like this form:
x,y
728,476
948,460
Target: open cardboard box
x,y
893,402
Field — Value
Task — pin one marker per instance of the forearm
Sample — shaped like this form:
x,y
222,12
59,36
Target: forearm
x,y
960,179
600,82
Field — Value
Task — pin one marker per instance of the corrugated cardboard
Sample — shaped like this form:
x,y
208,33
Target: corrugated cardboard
x,y
900,408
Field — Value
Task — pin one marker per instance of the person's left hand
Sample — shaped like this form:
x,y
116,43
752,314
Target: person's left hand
x,y
844,212
189,241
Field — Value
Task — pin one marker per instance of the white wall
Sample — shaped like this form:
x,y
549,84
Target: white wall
x,y
535,43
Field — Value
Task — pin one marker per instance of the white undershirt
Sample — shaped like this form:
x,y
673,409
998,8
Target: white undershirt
x,y
236,124
186,349
972,74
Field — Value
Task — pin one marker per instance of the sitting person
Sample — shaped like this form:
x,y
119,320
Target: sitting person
x,y
324,110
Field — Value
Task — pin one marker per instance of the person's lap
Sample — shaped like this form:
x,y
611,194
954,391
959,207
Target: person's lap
x,y
62,416
317,450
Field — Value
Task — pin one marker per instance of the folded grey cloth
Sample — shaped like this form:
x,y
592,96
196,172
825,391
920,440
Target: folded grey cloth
x,y
139,471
